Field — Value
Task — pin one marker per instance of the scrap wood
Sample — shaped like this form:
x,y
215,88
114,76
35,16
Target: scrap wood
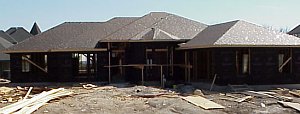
x,y
246,98
236,99
290,104
294,93
42,97
34,106
5,90
89,86
151,95
105,88
28,92
267,94
4,81
202,102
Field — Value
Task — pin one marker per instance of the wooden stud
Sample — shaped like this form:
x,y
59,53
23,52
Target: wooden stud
x,y
249,61
109,63
142,75
34,64
185,63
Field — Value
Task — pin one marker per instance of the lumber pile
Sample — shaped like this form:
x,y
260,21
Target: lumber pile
x,y
27,106
11,95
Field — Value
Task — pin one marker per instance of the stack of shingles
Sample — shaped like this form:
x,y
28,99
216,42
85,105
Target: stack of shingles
x,y
27,106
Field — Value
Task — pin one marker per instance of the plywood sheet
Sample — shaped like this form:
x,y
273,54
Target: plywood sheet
x,y
202,102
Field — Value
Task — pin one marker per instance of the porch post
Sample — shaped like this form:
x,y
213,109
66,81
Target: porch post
x,y
109,67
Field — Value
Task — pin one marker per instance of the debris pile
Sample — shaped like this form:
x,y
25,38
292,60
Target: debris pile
x,y
27,106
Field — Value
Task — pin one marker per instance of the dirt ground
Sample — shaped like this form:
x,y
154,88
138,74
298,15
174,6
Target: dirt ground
x,y
130,99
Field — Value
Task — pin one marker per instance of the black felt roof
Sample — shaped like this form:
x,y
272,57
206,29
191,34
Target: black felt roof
x,y
240,33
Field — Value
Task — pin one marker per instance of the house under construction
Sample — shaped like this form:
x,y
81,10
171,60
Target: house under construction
x,y
157,47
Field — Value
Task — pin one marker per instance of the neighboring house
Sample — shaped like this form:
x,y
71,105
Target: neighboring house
x,y
157,47
4,58
35,30
18,33
9,38
295,31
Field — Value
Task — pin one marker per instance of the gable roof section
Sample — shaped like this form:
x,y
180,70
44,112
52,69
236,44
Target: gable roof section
x,y
239,33
296,30
3,45
35,29
71,35
157,24
18,33
7,37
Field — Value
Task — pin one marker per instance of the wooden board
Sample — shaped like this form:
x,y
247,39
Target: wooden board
x,y
290,104
202,102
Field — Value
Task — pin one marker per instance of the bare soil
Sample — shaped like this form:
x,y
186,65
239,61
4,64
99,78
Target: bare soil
x,y
124,100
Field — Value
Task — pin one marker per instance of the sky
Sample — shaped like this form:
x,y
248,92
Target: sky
x,y
50,13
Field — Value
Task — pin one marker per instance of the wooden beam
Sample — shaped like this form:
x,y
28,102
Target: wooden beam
x,y
109,63
213,82
162,77
34,64
185,68
280,68
142,75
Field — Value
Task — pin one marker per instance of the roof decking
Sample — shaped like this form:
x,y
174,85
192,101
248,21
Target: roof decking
x,y
240,34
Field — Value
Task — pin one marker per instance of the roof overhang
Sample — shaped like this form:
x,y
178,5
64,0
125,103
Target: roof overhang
x,y
56,50
236,46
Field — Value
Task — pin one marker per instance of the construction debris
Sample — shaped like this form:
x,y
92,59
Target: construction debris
x,y
239,100
89,86
27,106
202,102
4,81
290,104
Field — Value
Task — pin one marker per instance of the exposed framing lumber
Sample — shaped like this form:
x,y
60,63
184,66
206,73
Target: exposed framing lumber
x,y
213,82
34,64
185,63
109,62
16,106
28,92
280,68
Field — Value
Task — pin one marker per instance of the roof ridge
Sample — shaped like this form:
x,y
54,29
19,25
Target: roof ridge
x,y
122,28
151,26
230,28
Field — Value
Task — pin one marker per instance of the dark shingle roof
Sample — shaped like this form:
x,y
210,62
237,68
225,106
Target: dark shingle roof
x,y
85,35
3,45
240,33
158,26
18,33
296,30
7,37
35,29
72,35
